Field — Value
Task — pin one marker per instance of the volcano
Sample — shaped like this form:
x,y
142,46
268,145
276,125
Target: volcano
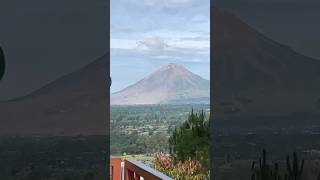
x,y
171,84
254,74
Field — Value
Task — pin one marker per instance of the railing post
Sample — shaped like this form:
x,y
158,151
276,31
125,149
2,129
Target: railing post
x,y
137,176
122,170
115,168
129,175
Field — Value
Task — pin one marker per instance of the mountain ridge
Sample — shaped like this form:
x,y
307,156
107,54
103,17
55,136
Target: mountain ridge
x,y
259,75
171,82
74,104
47,86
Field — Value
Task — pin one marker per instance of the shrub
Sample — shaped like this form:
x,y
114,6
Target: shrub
x,y
180,170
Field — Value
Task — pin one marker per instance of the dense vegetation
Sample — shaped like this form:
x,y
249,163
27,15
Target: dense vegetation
x,y
265,171
179,139
58,158
192,140
189,147
146,129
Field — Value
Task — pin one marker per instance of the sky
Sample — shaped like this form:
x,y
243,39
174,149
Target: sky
x,y
294,23
41,39
148,34
45,40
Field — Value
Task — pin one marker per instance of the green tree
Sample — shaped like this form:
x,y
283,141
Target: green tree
x,y
192,140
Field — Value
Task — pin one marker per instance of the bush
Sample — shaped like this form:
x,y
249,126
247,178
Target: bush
x,y
180,170
192,140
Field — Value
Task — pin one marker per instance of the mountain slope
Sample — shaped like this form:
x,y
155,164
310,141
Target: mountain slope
x,y
259,75
73,104
172,83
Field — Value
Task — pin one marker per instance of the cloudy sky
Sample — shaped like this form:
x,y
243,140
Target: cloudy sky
x,y
147,34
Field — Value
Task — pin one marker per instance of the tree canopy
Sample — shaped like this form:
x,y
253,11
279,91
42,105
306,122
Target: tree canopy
x,y
192,139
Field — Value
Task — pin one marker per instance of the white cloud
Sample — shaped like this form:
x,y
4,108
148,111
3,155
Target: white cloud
x,y
154,43
171,42
148,33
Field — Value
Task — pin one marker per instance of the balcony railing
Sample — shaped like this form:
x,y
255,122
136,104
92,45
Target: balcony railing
x,y
133,170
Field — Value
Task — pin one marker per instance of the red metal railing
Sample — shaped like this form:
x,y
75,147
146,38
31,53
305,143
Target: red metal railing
x,y
133,170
